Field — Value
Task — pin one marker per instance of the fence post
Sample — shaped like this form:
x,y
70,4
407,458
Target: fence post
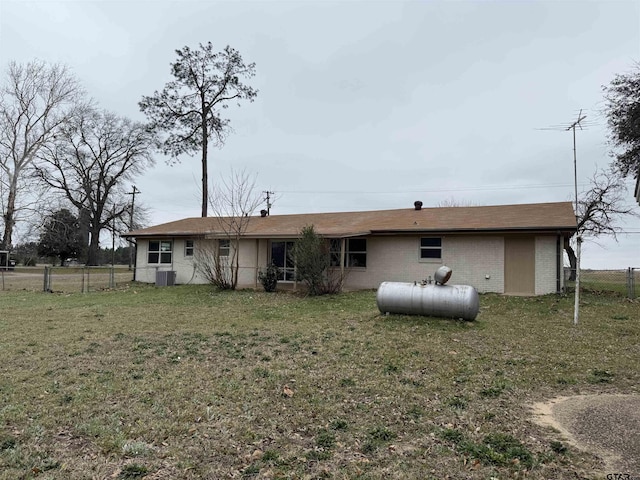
x,y
45,286
631,290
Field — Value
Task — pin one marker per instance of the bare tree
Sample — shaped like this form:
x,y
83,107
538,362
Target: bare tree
x,y
453,202
91,163
36,100
212,262
232,202
599,208
31,201
189,108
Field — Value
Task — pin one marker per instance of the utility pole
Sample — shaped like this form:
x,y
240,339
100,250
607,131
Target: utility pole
x,y
112,282
133,203
268,199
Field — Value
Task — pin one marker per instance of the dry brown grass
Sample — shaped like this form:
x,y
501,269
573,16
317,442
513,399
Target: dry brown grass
x,y
182,383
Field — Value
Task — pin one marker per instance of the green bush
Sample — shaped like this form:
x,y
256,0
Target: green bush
x,y
312,256
269,278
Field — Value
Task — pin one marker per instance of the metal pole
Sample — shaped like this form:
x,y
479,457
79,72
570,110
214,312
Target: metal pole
x,y
576,306
113,236
575,168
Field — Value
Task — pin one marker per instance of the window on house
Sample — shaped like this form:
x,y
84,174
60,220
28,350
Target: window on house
x,y
430,248
224,245
334,251
188,248
160,251
281,258
355,254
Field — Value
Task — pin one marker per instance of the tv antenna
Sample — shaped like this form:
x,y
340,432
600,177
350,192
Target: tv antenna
x,y
572,127
578,123
582,125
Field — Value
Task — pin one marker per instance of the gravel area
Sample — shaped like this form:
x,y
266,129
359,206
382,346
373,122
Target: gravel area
x,y
605,425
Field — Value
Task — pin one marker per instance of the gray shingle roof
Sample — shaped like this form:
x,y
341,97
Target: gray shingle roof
x,y
557,216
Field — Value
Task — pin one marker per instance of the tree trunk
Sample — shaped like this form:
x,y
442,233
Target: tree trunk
x,y
573,261
9,217
205,179
94,247
84,219
235,262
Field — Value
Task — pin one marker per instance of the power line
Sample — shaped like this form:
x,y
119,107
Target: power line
x,y
394,192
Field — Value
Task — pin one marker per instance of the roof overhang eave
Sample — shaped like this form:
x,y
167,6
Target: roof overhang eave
x,y
286,236
414,231
162,235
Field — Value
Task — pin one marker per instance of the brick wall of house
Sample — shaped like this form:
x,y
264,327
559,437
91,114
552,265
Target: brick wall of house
x,y
475,260
182,264
143,273
397,259
546,264
247,267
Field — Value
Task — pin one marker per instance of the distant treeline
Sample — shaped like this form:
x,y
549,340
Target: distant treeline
x,y
26,254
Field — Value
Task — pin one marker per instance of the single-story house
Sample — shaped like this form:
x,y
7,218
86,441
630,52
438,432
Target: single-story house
x,y
511,249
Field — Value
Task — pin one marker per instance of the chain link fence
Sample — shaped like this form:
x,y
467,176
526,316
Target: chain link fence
x,y
86,279
64,279
624,282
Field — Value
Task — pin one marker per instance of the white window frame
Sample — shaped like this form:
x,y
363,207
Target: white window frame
x,y
189,246
224,247
348,252
162,252
434,247
287,272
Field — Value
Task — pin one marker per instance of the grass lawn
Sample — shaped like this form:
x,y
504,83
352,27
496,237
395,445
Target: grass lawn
x,y
183,383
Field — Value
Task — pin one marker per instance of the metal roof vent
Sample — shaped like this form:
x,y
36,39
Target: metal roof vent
x,y
418,205
263,213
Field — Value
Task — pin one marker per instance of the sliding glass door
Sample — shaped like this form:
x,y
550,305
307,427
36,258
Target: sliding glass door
x,y
281,258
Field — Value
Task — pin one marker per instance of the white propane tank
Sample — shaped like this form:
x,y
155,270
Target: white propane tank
x,y
451,301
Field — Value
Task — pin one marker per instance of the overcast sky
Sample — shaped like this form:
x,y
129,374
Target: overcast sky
x,y
365,105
